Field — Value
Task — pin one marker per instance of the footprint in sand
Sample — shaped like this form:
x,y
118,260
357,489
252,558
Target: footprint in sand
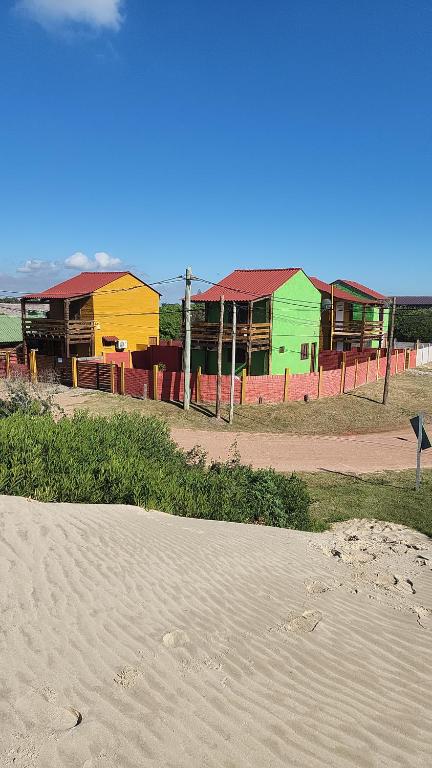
x,y
300,623
127,677
176,639
314,587
424,617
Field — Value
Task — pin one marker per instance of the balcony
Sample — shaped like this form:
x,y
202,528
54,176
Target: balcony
x,y
44,328
369,329
255,335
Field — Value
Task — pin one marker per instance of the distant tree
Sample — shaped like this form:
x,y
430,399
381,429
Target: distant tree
x,y
170,321
413,324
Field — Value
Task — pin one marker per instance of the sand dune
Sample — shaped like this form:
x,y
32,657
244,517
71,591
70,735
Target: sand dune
x,y
132,638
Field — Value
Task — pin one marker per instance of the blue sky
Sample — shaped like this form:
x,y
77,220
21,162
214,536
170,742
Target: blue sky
x,y
158,133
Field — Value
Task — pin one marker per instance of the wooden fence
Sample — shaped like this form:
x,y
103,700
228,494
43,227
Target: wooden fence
x,y
155,384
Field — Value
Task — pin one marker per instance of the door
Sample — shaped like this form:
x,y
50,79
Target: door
x,y
313,357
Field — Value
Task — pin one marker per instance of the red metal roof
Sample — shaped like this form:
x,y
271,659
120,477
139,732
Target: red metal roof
x,y
79,285
363,289
337,293
247,285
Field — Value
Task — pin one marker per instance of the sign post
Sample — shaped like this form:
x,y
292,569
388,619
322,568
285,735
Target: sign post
x,y
423,443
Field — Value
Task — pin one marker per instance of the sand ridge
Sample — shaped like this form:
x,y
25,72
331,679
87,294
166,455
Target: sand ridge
x,y
132,638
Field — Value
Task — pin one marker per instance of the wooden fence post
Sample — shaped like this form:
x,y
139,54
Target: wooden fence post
x,y
407,359
378,357
320,371
342,378
7,372
286,384
243,386
74,364
397,361
122,378
112,377
33,366
155,382
355,372
367,369
198,384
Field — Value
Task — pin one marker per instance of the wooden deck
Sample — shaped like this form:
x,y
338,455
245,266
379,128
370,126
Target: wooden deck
x,y
44,328
255,335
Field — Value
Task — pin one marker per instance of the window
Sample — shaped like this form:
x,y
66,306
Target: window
x,y
152,340
304,352
281,350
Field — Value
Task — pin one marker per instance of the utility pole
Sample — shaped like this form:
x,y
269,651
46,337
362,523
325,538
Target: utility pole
x,y
219,359
188,339
389,351
233,362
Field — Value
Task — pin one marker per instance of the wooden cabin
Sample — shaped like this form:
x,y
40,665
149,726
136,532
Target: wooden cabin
x,y
278,323
351,319
92,313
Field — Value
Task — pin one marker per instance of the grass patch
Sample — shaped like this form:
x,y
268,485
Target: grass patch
x,y
128,459
386,496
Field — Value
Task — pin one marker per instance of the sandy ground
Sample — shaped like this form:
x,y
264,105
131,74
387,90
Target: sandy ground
x,y
311,453
135,639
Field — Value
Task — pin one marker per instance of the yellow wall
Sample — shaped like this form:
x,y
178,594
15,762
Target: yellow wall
x,y
128,314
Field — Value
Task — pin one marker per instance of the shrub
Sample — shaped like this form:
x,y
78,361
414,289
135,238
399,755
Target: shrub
x,y
128,459
22,396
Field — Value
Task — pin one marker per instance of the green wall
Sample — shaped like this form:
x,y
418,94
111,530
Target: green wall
x,y
372,313
295,324
259,361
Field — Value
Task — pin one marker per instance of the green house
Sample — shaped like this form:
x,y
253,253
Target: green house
x,y
376,314
278,323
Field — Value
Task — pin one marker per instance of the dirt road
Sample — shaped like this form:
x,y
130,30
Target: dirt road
x,y
286,453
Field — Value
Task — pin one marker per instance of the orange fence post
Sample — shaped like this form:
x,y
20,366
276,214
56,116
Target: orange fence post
x,y
74,363
122,378
320,370
397,361
367,369
155,382
7,365
112,371
33,366
198,384
342,378
378,357
243,386
355,372
286,384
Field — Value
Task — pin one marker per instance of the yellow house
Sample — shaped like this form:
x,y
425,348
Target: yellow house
x,y
93,313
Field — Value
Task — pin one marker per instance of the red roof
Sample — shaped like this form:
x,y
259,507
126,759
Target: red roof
x,y
337,293
247,285
363,289
79,285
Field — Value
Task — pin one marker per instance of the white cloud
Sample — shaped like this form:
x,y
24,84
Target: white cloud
x,y
100,263
105,261
78,260
96,13
37,266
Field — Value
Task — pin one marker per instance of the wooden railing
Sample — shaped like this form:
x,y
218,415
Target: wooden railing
x,y
42,327
255,334
369,328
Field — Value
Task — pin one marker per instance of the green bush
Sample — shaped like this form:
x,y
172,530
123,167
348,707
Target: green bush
x,y
413,324
128,459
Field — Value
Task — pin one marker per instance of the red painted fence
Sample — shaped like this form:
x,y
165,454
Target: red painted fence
x,y
169,385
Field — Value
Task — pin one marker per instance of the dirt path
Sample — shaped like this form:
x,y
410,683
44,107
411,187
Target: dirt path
x,y
286,453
